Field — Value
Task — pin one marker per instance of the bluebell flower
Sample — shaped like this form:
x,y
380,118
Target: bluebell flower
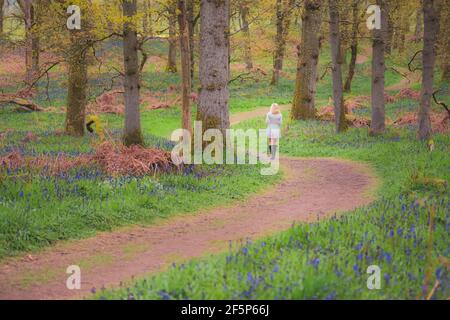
x,y
388,257
315,262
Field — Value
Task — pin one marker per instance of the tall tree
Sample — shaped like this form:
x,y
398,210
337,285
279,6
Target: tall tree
x,y
185,64
31,40
353,46
2,2
214,64
244,11
336,57
132,132
191,20
303,106
284,9
172,54
77,84
377,125
431,28
444,41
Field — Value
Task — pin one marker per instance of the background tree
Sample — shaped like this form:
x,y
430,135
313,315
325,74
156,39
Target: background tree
x,y
418,31
284,9
337,59
303,106
31,39
192,18
353,45
132,131
244,8
185,64
431,29
214,64
2,4
77,84
444,41
172,19
377,125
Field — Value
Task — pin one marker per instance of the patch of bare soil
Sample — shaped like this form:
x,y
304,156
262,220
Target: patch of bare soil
x,y
259,112
313,189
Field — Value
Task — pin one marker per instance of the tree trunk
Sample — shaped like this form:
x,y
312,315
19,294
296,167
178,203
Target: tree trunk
x,y
283,24
378,68
244,10
172,56
35,42
27,9
431,28
185,64
419,25
214,64
77,87
336,58
2,2
404,27
132,132
353,46
190,8
303,106
444,41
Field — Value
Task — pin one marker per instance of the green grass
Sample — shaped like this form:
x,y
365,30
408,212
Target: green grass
x,y
37,210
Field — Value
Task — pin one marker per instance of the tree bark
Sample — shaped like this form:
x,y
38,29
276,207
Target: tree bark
x,y
27,9
172,55
77,86
132,132
190,11
303,106
353,46
214,64
431,28
404,26
444,41
185,65
2,2
378,68
336,57
244,10
419,25
283,23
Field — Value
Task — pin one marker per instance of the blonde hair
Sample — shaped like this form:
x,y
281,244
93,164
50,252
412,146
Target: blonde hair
x,y
274,108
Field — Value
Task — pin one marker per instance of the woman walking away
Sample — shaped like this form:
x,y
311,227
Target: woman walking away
x,y
274,120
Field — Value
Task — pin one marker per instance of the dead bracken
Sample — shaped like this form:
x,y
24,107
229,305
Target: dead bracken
x,y
112,159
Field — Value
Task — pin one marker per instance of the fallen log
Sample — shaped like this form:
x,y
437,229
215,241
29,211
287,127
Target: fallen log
x,y
23,103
